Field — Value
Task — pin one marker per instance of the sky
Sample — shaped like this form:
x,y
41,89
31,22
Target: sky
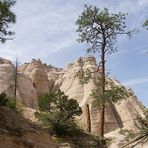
x,y
46,30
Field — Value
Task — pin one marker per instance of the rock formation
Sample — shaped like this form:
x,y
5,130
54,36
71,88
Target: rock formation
x,y
26,93
36,73
6,76
36,78
117,116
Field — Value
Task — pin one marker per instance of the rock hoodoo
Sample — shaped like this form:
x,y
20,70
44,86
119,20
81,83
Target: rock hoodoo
x,y
36,78
117,116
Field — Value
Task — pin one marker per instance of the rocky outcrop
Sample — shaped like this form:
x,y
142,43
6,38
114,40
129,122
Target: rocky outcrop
x,y
36,72
33,80
26,93
36,78
117,116
42,76
6,77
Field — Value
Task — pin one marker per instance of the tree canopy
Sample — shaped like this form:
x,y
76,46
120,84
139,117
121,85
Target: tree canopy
x,y
100,28
7,17
58,112
146,24
59,102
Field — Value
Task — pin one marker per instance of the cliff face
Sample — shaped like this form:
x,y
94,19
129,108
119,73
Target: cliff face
x,y
117,115
26,93
6,76
35,79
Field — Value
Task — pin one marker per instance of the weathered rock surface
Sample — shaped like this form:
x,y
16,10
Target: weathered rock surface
x,y
118,115
6,76
33,80
118,140
36,78
26,93
42,76
35,70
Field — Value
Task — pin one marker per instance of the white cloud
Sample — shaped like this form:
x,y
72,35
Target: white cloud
x,y
41,29
140,50
135,81
44,27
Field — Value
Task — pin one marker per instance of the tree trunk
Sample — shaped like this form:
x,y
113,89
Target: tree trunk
x,y
102,116
88,120
15,81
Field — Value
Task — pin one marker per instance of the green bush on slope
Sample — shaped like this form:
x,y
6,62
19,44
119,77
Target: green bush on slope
x,y
57,112
9,103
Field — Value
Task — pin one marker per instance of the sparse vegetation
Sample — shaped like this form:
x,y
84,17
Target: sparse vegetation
x,y
57,112
141,136
10,103
3,99
128,133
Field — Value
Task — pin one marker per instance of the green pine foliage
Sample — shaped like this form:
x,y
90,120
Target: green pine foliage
x,y
3,99
8,102
142,125
7,17
114,95
57,112
100,28
146,24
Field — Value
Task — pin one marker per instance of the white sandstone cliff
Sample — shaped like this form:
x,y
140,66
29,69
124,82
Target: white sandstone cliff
x,y
36,78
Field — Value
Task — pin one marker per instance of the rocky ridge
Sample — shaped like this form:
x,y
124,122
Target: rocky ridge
x,y
36,78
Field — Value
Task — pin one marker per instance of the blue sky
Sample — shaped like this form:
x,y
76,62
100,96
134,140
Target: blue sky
x,y
46,29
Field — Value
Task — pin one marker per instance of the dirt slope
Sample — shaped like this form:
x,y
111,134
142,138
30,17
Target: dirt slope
x,y
18,132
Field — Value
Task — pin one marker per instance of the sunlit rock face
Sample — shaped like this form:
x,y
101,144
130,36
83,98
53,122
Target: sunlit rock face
x,y
117,115
36,79
35,71
26,93
33,80
6,76
42,76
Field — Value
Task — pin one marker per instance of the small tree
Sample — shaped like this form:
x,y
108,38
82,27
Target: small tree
x,y
8,102
58,112
7,17
99,29
3,99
